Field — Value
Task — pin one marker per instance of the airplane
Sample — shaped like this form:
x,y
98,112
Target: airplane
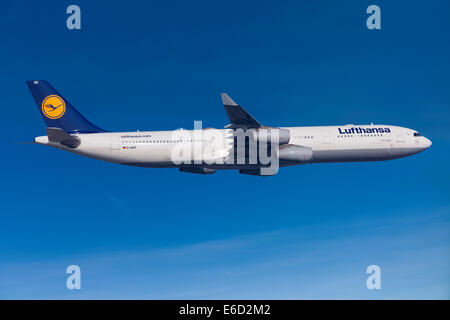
x,y
205,150
52,107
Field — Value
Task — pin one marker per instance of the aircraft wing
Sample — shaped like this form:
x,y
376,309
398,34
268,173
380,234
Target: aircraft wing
x,y
239,118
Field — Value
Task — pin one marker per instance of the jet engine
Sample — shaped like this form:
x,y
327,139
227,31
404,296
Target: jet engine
x,y
265,135
198,170
259,172
294,153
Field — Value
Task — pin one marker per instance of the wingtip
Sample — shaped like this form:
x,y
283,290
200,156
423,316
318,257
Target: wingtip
x,y
227,101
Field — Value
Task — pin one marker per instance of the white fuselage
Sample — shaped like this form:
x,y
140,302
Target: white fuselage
x,y
329,144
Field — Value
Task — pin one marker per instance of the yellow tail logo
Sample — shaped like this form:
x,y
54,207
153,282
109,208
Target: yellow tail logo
x,y
53,107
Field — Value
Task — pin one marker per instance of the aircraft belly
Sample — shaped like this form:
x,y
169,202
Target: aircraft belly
x,y
366,154
156,154
343,155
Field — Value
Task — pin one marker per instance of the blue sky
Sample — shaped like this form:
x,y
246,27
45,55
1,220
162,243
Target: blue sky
x,y
309,232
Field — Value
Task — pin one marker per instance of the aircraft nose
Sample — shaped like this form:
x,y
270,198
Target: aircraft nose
x,y
427,142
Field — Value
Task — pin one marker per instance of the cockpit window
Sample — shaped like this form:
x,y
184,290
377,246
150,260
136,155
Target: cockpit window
x,y
416,134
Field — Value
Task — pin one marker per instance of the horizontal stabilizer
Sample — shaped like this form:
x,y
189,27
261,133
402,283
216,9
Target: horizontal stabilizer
x,y
239,118
60,136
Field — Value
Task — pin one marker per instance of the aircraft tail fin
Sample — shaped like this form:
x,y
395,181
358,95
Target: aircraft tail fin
x,y
57,111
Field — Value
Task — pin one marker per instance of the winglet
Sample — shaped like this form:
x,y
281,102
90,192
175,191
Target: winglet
x,y
239,118
227,101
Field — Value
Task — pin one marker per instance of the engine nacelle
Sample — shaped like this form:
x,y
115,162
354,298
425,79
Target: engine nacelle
x,y
259,172
198,170
294,153
265,135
